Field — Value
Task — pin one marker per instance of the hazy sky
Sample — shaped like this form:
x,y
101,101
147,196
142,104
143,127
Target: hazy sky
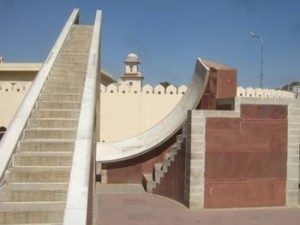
x,y
168,35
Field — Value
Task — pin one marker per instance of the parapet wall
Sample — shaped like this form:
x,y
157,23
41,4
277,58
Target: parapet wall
x,y
124,106
127,110
146,89
263,93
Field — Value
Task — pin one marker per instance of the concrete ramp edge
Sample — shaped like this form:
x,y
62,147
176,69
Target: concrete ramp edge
x,y
81,185
161,132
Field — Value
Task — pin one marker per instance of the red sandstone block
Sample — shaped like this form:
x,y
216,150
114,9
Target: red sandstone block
x,y
223,123
245,165
244,193
252,135
264,111
226,84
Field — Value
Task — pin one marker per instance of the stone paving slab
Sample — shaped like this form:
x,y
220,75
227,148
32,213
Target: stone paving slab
x,y
148,209
104,189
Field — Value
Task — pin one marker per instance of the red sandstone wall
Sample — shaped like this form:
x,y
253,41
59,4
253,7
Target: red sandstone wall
x,y
131,171
172,183
221,84
245,162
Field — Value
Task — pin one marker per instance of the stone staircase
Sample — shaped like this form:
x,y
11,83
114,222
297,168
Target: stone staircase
x,y
35,187
151,181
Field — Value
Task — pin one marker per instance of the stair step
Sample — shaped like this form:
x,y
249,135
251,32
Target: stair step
x,y
70,66
148,182
49,133
81,33
174,149
75,80
40,174
67,76
36,186
58,105
73,56
43,159
40,145
37,224
32,195
53,123
80,40
77,44
31,212
67,79
64,83
75,51
52,89
64,92
76,60
61,97
55,113
157,172
80,69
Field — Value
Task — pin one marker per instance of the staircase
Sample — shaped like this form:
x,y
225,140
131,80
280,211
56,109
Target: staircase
x,y
151,181
35,187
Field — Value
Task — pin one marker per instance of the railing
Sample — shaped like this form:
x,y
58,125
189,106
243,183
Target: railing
x,y
79,198
13,134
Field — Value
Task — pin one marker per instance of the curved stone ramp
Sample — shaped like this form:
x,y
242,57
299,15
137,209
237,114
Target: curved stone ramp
x,y
158,134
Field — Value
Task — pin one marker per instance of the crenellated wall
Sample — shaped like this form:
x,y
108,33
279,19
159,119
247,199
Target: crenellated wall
x,y
129,110
263,93
122,106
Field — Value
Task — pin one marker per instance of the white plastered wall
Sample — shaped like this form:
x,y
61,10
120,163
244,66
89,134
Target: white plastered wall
x,y
125,112
11,97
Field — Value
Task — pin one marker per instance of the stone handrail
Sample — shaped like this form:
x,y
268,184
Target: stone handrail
x,y
79,196
10,140
148,140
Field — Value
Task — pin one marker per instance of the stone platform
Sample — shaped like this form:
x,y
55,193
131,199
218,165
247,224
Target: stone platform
x,y
128,204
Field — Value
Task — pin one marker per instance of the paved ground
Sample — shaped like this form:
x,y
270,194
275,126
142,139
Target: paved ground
x,y
130,205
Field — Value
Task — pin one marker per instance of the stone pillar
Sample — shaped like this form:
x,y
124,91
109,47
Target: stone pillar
x,y
194,160
293,174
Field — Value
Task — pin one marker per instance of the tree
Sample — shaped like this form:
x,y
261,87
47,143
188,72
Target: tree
x,y
165,84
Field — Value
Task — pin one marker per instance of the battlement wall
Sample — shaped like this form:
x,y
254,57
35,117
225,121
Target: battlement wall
x,y
263,93
128,110
146,89
124,106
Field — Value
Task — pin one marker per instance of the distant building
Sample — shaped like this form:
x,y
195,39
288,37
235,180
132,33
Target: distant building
x,y
132,75
293,87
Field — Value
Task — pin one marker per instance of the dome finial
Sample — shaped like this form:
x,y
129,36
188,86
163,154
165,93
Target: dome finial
x,y
132,57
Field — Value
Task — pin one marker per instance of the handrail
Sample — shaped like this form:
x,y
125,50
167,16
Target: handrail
x,y
11,137
137,145
78,192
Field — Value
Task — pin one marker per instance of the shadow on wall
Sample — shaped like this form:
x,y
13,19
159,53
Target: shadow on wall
x,y
2,131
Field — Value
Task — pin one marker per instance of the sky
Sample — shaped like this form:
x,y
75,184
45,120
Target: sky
x,y
168,35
